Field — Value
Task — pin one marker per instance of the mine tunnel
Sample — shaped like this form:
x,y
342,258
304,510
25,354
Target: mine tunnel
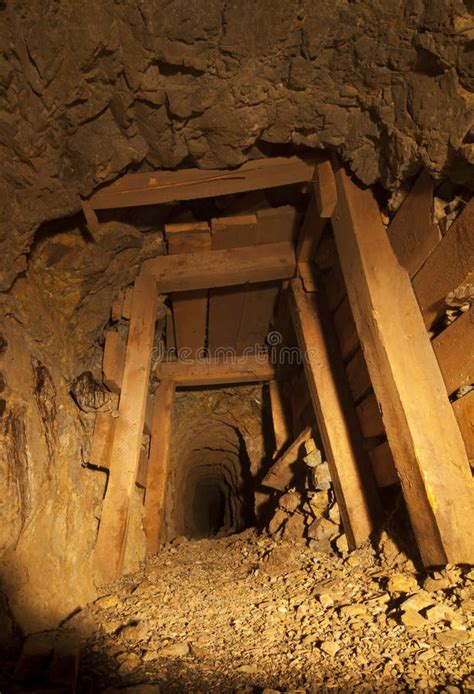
x,y
236,347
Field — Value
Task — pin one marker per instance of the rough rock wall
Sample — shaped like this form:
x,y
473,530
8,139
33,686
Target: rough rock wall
x,y
90,89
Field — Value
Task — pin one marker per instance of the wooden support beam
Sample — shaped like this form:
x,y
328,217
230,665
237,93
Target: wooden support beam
x,y
447,266
412,233
222,268
336,418
113,361
277,225
325,190
203,372
464,413
282,472
189,308
421,428
113,529
157,187
158,464
454,349
226,304
281,429
102,440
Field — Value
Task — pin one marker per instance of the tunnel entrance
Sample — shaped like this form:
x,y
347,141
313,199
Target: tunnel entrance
x,y
217,445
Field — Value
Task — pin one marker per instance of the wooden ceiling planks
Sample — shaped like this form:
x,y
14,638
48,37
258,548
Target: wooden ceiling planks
x,y
157,187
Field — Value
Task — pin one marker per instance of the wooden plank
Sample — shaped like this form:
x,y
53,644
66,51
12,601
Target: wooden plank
x,y
336,418
383,466
113,360
358,378
92,220
308,272
310,234
464,413
345,328
259,305
127,303
411,232
226,305
223,268
426,444
189,308
454,349
102,440
370,417
277,225
158,463
446,267
245,369
281,429
113,529
334,286
325,189
157,187
282,472
170,336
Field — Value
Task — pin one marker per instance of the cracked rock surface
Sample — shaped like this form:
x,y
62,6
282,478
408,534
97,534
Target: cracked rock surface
x,y
92,89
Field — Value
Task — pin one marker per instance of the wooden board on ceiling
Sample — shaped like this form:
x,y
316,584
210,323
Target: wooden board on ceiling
x,y
157,187
222,268
421,428
454,349
218,371
259,305
189,308
446,267
226,304
412,233
277,224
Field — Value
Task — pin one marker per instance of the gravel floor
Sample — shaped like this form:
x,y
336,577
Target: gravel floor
x,y
249,612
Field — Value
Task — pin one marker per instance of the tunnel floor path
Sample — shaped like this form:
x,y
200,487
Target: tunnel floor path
x,y
248,612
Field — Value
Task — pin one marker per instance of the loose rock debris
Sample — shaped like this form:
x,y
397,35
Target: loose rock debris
x,y
251,613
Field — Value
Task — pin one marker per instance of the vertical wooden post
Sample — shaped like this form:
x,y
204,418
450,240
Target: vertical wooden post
x,y
112,536
158,463
349,465
425,440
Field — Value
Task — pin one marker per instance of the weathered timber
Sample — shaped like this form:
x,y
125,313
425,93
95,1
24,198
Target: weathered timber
x,y
412,233
454,349
422,431
157,187
158,463
113,361
370,417
281,428
257,312
277,225
226,305
222,268
189,308
335,415
346,330
464,412
310,234
102,440
325,190
282,471
383,466
113,529
447,266
243,369
358,378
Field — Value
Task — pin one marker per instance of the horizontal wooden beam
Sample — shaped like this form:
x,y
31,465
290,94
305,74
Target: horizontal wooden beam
x,y
222,268
217,371
454,349
157,187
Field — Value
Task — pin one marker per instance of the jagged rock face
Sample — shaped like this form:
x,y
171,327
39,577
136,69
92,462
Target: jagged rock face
x,y
91,89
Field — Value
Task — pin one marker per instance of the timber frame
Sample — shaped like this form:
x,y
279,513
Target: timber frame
x,y
371,372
